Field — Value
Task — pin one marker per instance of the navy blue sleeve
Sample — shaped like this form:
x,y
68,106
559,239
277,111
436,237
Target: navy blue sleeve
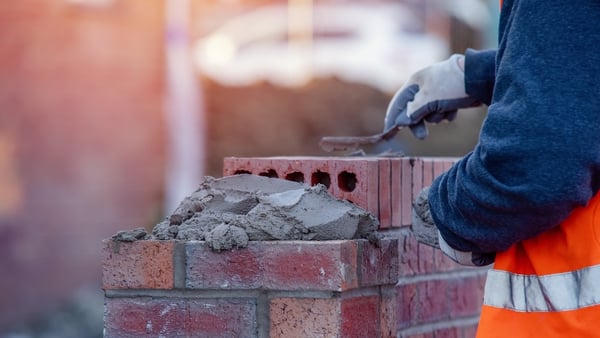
x,y
480,74
538,156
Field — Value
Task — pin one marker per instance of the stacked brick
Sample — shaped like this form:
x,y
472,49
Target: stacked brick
x,y
269,289
385,186
301,289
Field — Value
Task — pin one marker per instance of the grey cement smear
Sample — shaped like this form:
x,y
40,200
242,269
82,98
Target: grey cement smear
x,y
230,211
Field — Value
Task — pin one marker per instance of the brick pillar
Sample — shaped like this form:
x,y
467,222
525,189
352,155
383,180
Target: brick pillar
x,y
301,289
269,289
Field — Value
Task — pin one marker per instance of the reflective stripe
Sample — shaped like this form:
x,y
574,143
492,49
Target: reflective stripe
x,y
531,293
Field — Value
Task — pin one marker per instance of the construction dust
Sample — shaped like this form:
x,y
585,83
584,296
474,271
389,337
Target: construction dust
x,y
229,212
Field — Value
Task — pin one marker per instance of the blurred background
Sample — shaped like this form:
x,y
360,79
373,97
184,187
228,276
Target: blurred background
x,y
111,111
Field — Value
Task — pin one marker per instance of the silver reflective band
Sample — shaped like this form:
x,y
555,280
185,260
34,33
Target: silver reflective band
x,y
531,293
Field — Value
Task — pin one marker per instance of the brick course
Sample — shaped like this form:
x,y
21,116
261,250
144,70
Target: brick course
x,y
179,317
286,265
382,185
268,289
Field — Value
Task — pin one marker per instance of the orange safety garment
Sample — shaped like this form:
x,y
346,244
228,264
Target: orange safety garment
x,y
549,285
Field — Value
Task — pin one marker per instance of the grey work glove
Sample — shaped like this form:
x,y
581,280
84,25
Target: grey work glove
x,y
427,233
432,94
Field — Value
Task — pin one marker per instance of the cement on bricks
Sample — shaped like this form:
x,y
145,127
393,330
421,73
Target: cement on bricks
x,y
384,186
230,211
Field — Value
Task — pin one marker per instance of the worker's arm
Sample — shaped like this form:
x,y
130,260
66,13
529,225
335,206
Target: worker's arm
x,y
480,74
538,156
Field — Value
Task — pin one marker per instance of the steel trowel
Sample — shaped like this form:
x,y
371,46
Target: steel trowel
x,y
351,143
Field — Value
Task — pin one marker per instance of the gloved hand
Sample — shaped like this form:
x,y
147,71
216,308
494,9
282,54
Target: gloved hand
x,y
432,94
427,233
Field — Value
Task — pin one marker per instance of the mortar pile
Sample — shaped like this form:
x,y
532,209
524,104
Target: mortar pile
x,y
230,211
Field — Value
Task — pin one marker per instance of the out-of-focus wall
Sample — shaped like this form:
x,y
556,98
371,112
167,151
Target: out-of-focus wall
x,y
81,141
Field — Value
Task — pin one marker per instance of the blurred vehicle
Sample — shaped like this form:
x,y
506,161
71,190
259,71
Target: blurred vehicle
x,y
375,44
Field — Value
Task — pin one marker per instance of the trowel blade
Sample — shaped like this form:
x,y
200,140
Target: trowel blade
x,y
351,143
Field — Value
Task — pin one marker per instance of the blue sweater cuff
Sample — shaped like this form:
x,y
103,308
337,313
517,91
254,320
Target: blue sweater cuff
x,y
480,74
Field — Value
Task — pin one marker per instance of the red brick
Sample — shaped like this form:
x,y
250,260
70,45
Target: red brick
x,y
378,265
144,317
444,263
448,332
383,186
137,265
234,269
408,304
433,301
281,265
406,192
465,295
408,252
424,301
396,171
385,193
315,167
280,167
292,168
308,166
389,311
426,261
221,317
264,167
417,178
427,172
360,191
180,317
363,191
304,317
234,165
329,265
333,317
360,317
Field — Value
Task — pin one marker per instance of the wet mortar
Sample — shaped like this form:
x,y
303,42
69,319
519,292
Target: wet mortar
x,y
229,212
